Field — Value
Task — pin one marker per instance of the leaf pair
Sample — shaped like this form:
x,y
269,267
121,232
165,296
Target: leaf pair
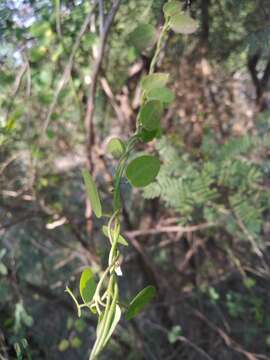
x,y
157,96
179,22
154,87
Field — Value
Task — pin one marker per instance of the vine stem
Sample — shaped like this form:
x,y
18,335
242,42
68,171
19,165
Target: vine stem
x,y
158,48
112,292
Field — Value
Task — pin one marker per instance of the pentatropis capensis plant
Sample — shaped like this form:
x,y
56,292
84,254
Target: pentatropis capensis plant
x,y
103,298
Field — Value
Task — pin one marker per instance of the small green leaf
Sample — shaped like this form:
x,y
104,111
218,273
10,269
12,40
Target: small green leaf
x,y
63,345
115,147
87,285
162,94
140,301
143,170
150,115
3,269
153,81
174,334
120,240
146,135
171,8
143,37
183,24
75,342
115,321
92,193
80,325
249,282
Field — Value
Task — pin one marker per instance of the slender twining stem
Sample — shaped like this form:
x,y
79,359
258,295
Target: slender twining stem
x,y
111,294
75,300
158,47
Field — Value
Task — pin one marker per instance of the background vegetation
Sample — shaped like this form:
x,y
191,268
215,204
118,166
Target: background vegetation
x,y
199,234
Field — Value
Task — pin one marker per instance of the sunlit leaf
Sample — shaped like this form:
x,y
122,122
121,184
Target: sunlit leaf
x,y
143,170
171,8
140,301
115,147
183,24
92,193
63,345
153,81
87,285
161,94
150,115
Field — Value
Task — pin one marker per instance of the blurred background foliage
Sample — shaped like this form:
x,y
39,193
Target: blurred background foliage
x,y
200,233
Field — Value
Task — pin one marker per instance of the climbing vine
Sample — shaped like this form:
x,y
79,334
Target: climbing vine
x,y
103,298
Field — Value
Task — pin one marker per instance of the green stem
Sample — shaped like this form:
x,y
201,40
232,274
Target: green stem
x,y
105,322
120,170
158,48
75,300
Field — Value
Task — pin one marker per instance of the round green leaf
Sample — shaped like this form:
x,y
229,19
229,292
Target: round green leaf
x,y
115,147
171,8
143,37
153,81
92,193
146,135
183,24
140,301
87,285
143,170
150,115
63,345
76,342
161,94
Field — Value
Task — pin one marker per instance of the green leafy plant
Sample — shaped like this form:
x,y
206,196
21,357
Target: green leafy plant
x,y
140,171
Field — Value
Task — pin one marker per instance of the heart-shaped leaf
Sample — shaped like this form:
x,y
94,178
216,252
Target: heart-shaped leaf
x,y
171,8
143,37
153,81
140,301
183,24
92,193
120,240
150,115
115,147
143,170
161,94
87,285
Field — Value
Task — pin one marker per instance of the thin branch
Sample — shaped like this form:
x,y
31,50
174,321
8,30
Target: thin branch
x,y
169,229
67,71
229,341
16,87
88,121
101,16
90,107
194,347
